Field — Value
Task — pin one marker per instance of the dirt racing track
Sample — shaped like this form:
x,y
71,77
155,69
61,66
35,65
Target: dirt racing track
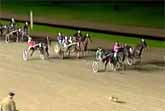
x,y
70,84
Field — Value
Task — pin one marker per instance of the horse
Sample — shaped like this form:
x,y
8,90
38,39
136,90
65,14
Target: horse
x,y
73,48
107,57
18,33
41,46
11,34
131,53
22,34
85,41
138,50
79,45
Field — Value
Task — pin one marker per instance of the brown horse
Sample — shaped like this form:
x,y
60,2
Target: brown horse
x,y
138,50
84,44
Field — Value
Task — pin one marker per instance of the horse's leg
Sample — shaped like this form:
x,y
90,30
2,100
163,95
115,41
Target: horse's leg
x,y
78,54
82,52
47,52
78,51
22,34
68,52
31,52
140,59
1,32
17,37
83,49
86,48
7,38
105,64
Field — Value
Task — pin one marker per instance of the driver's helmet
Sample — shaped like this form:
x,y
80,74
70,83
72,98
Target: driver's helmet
x,y
59,34
117,43
26,23
12,19
99,49
142,40
78,31
70,37
66,38
29,39
87,34
5,26
125,45
12,25
19,29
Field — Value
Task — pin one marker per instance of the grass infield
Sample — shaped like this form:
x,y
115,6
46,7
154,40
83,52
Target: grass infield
x,y
101,36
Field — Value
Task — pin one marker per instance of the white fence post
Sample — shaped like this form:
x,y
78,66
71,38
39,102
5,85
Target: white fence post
x,y
31,20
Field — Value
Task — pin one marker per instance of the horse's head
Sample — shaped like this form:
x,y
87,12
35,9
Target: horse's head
x,y
141,45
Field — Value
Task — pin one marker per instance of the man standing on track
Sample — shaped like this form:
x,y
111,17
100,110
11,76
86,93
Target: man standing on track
x,y
8,104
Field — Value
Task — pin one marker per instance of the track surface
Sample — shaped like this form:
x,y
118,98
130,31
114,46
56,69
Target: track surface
x,y
70,84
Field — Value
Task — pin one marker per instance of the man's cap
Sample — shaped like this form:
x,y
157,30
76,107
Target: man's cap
x,y
11,94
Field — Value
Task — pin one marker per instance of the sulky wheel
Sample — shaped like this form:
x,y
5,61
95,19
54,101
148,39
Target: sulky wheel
x,y
61,54
42,56
95,66
117,66
120,57
25,55
129,61
58,51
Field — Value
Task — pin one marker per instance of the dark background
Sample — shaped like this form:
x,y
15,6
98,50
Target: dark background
x,y
88,0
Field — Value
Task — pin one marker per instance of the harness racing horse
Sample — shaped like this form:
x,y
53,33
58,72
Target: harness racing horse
x,y
80,46
105,57
69,49
22,35
125,54
11,34
138,50
85,41
129,53
18,33
43,49
4,29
